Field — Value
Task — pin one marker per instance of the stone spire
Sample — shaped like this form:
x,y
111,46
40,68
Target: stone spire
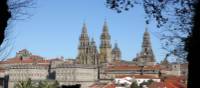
x,y
105,46
105,27
93,45
84,38
105,37
146,56
93,52
116,53
146,45
146,39
83,46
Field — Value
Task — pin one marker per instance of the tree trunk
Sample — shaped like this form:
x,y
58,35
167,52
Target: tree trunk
x,y
192,46
5,14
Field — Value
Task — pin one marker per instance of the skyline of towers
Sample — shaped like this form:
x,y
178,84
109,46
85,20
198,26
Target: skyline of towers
x,y
89,54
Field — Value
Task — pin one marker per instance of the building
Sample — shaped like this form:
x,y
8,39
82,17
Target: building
x,y
105,46
23,72
169,82
91,66
146,56
65,72
72,74
123,82
111,72
176,69
87,51
116,53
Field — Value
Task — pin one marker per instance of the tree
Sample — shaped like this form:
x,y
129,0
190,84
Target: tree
x,y
46,84
4,17
173,17
11,10
134,85
24,84
146,83
180,18
56,84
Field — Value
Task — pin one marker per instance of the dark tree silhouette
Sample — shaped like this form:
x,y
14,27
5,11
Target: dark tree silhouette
x,y
5,15
192,46
173,17
180,18
11,10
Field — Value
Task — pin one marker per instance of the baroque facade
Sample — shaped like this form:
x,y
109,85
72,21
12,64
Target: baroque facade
x,y
88,52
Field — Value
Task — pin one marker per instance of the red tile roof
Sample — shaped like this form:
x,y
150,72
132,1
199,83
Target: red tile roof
x,y
109,86
129,67
138,76
97,85
124,68
157,85
169,82
146,76
27,60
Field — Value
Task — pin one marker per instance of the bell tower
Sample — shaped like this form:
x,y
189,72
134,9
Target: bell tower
x,y
105,46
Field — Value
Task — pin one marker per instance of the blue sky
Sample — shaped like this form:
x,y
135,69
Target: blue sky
x,y
55,27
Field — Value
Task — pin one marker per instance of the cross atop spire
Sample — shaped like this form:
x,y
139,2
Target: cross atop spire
x,y
105,27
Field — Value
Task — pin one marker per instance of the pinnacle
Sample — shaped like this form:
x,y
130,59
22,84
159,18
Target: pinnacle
x,y
84,29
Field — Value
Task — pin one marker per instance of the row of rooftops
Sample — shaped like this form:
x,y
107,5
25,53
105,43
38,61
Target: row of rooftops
x,y
69,63
45,66
168,82
128,67
138,76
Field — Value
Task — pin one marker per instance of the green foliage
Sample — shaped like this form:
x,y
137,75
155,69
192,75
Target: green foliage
x,y
134,85
41,84
24,84
45,84
146,83
173,17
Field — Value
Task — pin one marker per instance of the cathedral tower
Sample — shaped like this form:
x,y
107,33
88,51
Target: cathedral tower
x,y
84,43
87,51
146,56
93,52
105,46
116,53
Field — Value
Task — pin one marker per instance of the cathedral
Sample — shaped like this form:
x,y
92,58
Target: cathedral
x,y
89,54
93,64
146,56
87,50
